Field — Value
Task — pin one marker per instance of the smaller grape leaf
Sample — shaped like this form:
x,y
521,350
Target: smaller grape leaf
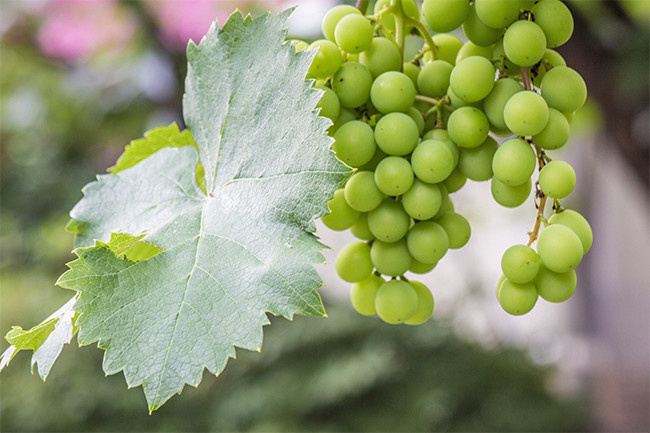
x,y
46,339
153,141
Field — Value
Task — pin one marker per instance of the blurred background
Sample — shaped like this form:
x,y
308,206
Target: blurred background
x,y
79,79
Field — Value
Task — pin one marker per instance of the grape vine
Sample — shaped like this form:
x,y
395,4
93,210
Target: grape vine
x,y
196,235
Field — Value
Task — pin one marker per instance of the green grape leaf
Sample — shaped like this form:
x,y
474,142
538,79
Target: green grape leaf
x,y
46,339
217,259
153,141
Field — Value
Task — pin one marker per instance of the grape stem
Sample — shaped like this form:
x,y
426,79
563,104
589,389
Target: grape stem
x,y
526,78
389,34
362,5
541,162
398,11
538,219
427,99
425,34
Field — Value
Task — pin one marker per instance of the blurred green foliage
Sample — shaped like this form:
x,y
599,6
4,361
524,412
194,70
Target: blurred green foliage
x,y
345,373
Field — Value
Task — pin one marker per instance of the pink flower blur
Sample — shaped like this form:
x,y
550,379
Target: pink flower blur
x,y
77,29
182,20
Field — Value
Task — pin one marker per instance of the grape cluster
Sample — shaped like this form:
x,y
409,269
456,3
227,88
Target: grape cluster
x,y
417,128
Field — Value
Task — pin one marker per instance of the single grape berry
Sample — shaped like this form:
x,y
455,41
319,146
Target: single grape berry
x,y
425,304
559,248
557,179
516,299
392,91
396,302
520,264
363,293
353,262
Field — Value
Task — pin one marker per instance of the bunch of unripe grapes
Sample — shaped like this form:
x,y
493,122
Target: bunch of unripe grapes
x,y
417,128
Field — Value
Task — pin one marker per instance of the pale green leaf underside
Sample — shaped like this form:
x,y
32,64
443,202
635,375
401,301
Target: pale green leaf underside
x,y
229,253
46,339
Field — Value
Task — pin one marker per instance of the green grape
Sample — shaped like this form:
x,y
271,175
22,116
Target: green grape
x,y
577,223
497,13
362,295
477,32
392,92
396,302
554,58
508,195
427,242
446,205
392,259
341,216
327,59
524,43
516,299
353,262
353,33
470,49
564,89
555,287
526,113
444,15
374,162
468,127
455,181
433,80
456,102
421,268
422,201
443,135
447,46
472,78
514,162
500,281
388,222
528,4
476,163
329,104
432,161
556,132
551,59
360,229
506,65
397,134
457,228
351,83
345,116
332,18
495,102
520,264
362,193
559,248
555,20
425,304
354,143
394,176
415,114
557,179
382,56
412,71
